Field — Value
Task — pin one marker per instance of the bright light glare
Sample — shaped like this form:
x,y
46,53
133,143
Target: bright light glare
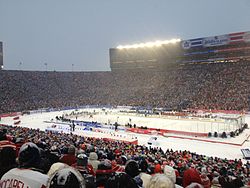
x,y
149,44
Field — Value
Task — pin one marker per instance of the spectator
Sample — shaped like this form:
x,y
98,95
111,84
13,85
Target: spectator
x,y
70,157
55,167
191,175
232,172
28,174
144,169
160,181
66,178
82,165
7,160
132,169
120,180
93,160
170,173
205,181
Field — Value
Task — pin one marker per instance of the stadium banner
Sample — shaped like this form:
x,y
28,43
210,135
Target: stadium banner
x,y
246,37
236,37
215,41
186,44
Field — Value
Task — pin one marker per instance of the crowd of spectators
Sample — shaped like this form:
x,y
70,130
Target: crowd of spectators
x,y
61,160
224,86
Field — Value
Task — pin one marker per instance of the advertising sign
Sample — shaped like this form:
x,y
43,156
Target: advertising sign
x,y
215,41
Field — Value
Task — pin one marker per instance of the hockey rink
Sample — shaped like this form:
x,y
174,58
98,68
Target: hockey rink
x,y
224,148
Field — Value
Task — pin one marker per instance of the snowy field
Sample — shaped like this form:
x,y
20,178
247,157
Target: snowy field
x,y
225,149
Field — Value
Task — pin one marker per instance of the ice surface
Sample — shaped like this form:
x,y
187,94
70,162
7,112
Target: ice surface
x,y
201,147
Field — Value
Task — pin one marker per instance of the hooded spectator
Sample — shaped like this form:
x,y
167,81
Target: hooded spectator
x,y
191,175
55,167
160,181
170,173
93,160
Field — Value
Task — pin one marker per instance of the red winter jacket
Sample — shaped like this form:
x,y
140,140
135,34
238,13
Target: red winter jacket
x,y
191,175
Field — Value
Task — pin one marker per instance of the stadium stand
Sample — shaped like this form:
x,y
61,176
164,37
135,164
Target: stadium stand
x,y
182,167
208,86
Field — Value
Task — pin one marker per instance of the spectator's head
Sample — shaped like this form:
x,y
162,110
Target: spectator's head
x,y
3,134
120,180
143,165
7,157
124,159
191,175
93,156
55,167
82,160
29,155
105,165
66,178
72,150
170,173
160,181
132,168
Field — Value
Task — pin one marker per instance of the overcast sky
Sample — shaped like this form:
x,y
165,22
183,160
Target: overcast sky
x,y
80,32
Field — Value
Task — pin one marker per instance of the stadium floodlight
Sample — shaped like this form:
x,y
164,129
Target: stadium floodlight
x,y
149,44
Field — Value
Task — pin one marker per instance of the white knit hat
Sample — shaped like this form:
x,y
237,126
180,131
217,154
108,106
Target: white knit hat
x,y
170,173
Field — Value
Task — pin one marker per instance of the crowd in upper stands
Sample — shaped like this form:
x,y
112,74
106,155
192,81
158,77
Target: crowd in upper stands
x,y
68,160
208,86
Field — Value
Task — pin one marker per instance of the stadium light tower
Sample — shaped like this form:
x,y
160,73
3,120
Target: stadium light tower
x,y
46,66
149,44
20,65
